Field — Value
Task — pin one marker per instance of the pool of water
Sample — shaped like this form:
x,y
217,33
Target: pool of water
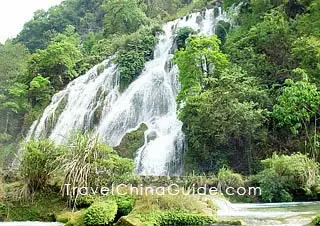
x,y
282,214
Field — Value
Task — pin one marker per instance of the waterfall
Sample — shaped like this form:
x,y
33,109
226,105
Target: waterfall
x,y
93,101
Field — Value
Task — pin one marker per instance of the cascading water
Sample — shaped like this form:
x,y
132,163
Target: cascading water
x,y
93,101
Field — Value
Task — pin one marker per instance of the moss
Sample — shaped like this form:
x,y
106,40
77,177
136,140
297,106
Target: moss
x,y
129,221
101,213
169,210
71,218
131,142
44,207
100,69
163,218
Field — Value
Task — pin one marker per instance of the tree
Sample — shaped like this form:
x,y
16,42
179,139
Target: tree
x,y
59,60
298,107
13,91
306,54
221,106
200,60
123,16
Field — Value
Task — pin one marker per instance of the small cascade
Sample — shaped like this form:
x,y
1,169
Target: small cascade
x,y
93,102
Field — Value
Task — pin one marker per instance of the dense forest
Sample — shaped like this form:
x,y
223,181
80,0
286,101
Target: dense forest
x,y
249,98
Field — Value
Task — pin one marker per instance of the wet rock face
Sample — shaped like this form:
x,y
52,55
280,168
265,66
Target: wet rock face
x,y
152,136
168,66
199,19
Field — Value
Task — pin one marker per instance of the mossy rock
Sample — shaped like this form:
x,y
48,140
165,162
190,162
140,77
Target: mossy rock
x,y
101,213
232,222
71,218
131,142
129,221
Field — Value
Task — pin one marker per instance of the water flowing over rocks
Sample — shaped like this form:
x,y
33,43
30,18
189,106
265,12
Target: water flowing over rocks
x,y
93,102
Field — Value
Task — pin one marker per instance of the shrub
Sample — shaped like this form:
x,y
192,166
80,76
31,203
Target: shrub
x,y
101,213
3,211
37,165
88,162
285,176
227,177
180,218
125,205
163,218
316,220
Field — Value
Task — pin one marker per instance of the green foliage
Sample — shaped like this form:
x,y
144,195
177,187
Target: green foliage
x,y
71,218
296,108
40,90
125,205
224,121
59,60
85,15
177,218
306,52
228,178
298,103
285,176
44,207
222,30
123,16
137,49
100,213
316,220
309,23
182,35
13,90
200,60
87,162
37,165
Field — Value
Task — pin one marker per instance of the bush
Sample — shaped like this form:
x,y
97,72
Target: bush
x,y
316,220
37,164
286,176
101,213
125,205
3,211
164,218
180,218
227,177
87,162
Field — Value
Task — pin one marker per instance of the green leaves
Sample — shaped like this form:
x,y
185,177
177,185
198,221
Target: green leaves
x,y
284,176
136,50
59,60
123,16
299,102
200,59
